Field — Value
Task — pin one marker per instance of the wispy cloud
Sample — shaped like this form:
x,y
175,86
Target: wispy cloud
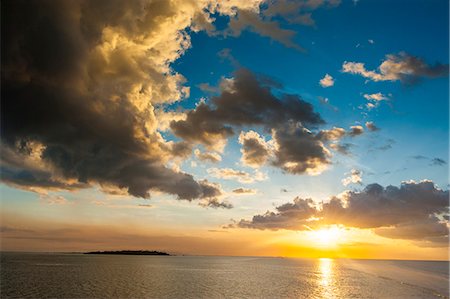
x,y
398,67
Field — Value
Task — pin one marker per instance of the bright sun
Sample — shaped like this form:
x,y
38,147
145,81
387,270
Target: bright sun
x,y
326,237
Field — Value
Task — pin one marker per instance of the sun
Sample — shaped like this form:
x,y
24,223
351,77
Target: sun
x,y
326,237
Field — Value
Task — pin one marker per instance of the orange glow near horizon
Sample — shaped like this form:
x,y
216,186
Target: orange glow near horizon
x,y
329,237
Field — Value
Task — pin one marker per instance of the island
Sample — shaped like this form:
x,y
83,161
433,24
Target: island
x,y
130,252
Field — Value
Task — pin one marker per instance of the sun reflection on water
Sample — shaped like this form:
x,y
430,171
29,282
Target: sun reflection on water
x,y
326,277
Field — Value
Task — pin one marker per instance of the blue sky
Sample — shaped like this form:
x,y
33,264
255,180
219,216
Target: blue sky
x,y
414,120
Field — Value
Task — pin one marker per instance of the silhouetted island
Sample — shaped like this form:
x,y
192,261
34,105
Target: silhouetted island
x,y
130,252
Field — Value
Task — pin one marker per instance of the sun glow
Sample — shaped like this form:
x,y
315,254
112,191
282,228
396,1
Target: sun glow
x,y
327,237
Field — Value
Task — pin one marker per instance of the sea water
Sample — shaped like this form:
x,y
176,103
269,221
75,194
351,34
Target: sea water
x,y
39,275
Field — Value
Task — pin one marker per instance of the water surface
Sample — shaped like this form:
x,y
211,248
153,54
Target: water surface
x,y
40,275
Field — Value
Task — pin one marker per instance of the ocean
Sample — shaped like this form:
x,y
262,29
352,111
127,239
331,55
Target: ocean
x,y
60,275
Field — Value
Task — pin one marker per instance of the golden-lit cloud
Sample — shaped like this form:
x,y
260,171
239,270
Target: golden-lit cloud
x,y
353,178
326,81
402,67
416,211
238,175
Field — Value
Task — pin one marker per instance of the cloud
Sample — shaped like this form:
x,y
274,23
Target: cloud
x,y
438,162
343,148
255,150
290,216
94,63
205,87
244,191
299,151
326,102
263,19
248,101
398,67
297,12
72,69
433,161
355,131
53,199
238,175
354,178
331,135
207,156
415,210
326,81
375,97
371,126
247,19
215,203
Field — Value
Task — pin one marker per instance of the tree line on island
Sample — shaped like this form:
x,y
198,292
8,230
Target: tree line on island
x,y
130,252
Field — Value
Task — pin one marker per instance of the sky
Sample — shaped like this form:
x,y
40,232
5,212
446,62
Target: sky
x,y
314,128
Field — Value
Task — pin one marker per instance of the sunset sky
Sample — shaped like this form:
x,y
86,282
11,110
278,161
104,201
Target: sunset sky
x,y
314,128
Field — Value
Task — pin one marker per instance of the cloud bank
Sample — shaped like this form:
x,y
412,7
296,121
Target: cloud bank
x,y
417,211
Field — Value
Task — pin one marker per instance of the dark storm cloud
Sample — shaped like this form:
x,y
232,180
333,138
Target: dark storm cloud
x,y
299,151
248,101
75,110
412,211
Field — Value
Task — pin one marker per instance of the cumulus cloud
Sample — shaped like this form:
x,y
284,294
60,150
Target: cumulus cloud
x,y
238,175
353,178
255,150
370,125
415,210
248,101
333,134
83,83
207,156
326,81
86,91
355,131
398,67
298,151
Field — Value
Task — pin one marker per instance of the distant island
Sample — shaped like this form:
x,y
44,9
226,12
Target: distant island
x,y
130,252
